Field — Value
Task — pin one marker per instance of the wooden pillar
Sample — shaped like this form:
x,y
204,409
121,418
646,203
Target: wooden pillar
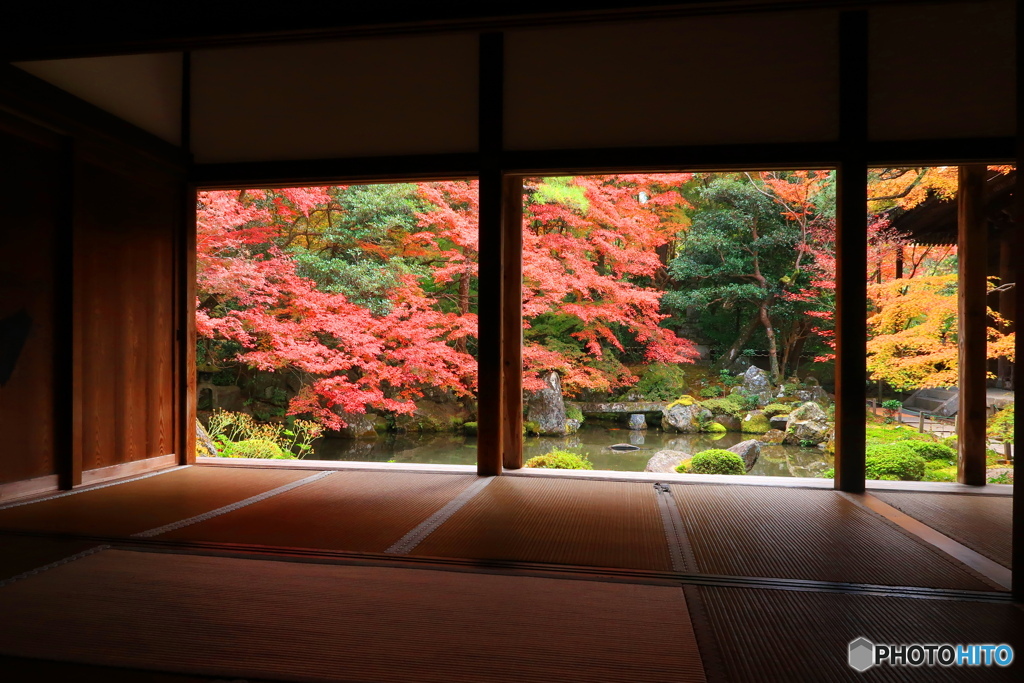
x,y
972,314
67,333
1006,303
490,415
184,303
512,322
1017,527
851,255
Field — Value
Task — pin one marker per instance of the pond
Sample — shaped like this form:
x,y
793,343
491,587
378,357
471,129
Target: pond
x,y
592,441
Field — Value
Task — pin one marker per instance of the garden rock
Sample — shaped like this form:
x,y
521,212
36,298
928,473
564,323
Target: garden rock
x,y
665,462
572,426
779,422
637,421
357,425
547,407
808,411
773,436
730,422
749,450
755,380
684,418
808,424
815,394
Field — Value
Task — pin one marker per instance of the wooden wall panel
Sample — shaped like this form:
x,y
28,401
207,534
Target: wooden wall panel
x,y
28,240
124,284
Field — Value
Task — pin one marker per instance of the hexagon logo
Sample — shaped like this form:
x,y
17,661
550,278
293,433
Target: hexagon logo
x,y
862,654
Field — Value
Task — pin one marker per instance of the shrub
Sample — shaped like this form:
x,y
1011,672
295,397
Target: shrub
x,y
1002,478
727,378
684,400
560,460
1000,425
773,409
661,382
755,422
717,461
712,391
930,450
574,413
531,428
255,448
730,405
949,441
715,428
876,434
891,407
943,474
830,473
893,461
469,428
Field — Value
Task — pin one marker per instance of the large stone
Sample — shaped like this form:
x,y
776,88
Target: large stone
x,y
546,407
204,444
749,450
730,422
807,411
665,462
357,425
808,425
779,422
434,416
815,394
773,436
755,380
808,433
686,416
637,421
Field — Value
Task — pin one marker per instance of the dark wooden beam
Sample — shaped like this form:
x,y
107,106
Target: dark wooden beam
x,y
851,255
185,331
512,321
972,323
1018,315
490,417
67,357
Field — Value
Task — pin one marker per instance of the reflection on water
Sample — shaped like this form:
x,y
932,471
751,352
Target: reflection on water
x,y
592,441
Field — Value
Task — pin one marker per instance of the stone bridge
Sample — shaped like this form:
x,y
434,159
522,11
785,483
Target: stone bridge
x,y
619,407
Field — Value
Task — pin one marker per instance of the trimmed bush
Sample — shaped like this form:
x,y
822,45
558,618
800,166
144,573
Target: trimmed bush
x,y
893,461
731,405
944,474
717,461
712,391
560,460
716,428
255,448
660,382
878,434
930,450
574,413
755,422
685,400
773,409
469,428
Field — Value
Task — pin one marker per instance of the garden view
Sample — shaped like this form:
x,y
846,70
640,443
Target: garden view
x,y
672,322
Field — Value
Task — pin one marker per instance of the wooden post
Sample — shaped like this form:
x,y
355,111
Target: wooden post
x,y
185,336
1017,526
972,314
67,331
851,254
512,321
920,422
1006,302
490,413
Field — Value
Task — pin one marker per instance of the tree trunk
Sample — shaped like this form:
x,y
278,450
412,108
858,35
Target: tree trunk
x,y
460,343
773,351
741,340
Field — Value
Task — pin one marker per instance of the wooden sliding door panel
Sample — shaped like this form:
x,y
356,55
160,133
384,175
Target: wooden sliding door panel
x,y
29,227
126,227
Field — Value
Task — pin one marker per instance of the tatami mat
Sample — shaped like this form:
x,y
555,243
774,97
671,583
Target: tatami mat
x,y
563,521
982,523
135,506
242,618
24,553
358,511
778,635
805,534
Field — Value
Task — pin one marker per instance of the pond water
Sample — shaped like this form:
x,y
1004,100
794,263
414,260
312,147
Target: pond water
x,y
592,441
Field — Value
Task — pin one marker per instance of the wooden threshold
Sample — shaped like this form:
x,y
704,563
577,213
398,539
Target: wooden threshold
x,y
128,469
